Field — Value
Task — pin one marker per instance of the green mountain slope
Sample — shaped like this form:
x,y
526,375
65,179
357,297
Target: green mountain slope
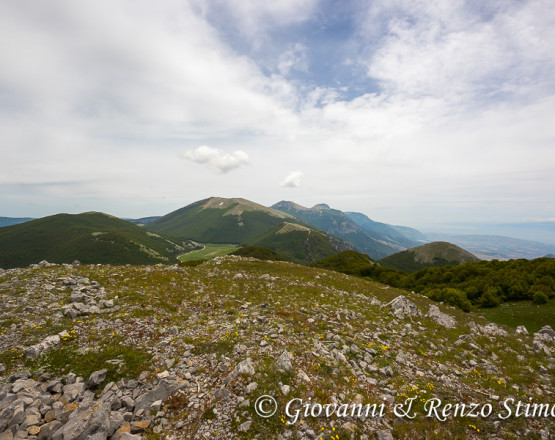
x,y
300,244
219,220
337,223
90,238
436,254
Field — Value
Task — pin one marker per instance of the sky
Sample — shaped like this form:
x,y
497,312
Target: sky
x,y
416,113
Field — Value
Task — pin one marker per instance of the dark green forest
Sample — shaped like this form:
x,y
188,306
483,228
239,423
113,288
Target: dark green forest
x,y
259,252
481,284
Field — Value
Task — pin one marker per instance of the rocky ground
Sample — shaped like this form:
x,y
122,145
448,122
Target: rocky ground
x,y
175,352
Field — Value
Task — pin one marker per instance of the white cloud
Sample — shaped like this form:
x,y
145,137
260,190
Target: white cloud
x,y
462,54
216,158
294,58
292,180
254,18
128,63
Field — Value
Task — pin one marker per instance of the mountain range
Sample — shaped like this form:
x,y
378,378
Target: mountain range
x,y
302,235
240,221
363,236
398,235
101,238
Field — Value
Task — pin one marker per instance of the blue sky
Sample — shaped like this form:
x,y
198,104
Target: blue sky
x,y
420,113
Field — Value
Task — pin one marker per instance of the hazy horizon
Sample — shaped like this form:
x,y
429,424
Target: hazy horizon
x,y
542,232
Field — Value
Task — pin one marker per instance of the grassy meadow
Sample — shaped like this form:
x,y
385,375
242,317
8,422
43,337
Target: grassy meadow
x,y
525,313
210,251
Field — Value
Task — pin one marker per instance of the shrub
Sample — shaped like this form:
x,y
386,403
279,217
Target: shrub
x,y
489,298
540,298
453,297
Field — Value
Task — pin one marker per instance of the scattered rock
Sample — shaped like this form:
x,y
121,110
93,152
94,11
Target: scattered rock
x,y
251,387
283,363
244,427
521,330
204,384
162,391
401,307
244,368
51,341
384,434
493,329
96,379
546,334
441,318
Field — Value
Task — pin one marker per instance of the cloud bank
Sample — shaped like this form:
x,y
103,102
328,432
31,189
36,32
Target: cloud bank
x,y
407,110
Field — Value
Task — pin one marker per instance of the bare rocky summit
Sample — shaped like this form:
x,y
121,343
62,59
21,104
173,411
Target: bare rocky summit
x,y
171,352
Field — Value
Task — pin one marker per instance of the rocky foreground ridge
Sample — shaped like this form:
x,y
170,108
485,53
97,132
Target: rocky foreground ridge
x,y
128,352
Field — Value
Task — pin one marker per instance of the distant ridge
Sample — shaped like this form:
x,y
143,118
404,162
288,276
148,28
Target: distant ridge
x,y
403,235
489,247
142,221
374,243
9,221
435,254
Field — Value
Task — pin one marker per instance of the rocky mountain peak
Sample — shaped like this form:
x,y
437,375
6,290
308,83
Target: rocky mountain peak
x,y
321,206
